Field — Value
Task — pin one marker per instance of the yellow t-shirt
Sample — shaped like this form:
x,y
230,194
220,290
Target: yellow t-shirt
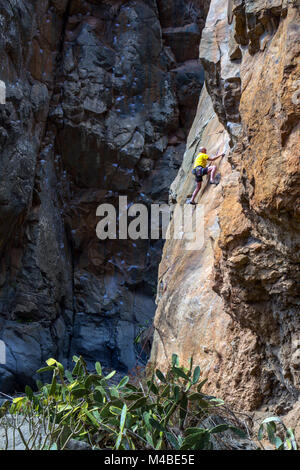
x,y
201,160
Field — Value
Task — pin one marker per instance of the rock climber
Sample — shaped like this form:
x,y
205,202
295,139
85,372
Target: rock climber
x,y
201,169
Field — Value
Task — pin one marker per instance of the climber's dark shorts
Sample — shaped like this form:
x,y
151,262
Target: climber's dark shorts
x,y
199,172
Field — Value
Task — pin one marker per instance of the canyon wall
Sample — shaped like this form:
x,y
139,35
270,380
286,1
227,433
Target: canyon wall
x,y
234,305
100,97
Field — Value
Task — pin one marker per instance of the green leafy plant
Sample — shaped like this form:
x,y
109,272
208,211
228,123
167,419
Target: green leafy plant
x,y
163,411
281,437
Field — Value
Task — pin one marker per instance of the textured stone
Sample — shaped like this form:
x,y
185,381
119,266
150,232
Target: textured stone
x,y
247,337
261,293
183,40
92,111
27,348
190,319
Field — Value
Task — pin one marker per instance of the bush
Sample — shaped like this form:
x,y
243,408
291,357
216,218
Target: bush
x,y
163,412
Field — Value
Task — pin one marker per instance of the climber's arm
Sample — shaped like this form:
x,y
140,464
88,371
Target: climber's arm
x,y
216,158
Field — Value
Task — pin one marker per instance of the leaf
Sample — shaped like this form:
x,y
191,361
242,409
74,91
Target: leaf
x,y
159,444
219,428
131,387
156,425
272,419
133,396
39,384
204,442
217,401
271,431
166,391
18,399
191,363
79,392
199,387
51,362
138,404
288,444
123,382
146,418
180,373
53,387
123,418
153,388
90,381
109,376
98,368
105,412
96,414
176,393
92,418
149,439
175,360
260,434
290,433
238,432
172,440
196,375
54,362
131,443
44,369
115,411
190,431
29,392
160,376
119,441
61,367
69,376
114,392
195,396
278,443
77,370
73,385
183,410
189,385
101,389
194,440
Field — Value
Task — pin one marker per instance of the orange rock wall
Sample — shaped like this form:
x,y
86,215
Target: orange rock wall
x,y
234,305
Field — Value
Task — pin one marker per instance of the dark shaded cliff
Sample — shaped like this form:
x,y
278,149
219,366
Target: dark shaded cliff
x,y
100,97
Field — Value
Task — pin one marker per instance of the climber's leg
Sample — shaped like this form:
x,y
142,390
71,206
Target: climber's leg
x,y
198,187
212,171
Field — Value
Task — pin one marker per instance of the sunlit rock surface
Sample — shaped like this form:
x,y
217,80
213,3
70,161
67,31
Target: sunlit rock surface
x,y
234,305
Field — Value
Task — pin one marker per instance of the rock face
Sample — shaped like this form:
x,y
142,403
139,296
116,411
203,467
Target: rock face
x,y
98,100
235,304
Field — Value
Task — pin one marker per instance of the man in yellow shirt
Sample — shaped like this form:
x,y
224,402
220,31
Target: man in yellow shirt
x,y
201,169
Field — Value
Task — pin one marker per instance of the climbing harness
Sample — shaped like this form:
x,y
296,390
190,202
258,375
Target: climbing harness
x,y
198,171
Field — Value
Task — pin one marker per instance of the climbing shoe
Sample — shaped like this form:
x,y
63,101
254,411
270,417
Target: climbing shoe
x,y
217,179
